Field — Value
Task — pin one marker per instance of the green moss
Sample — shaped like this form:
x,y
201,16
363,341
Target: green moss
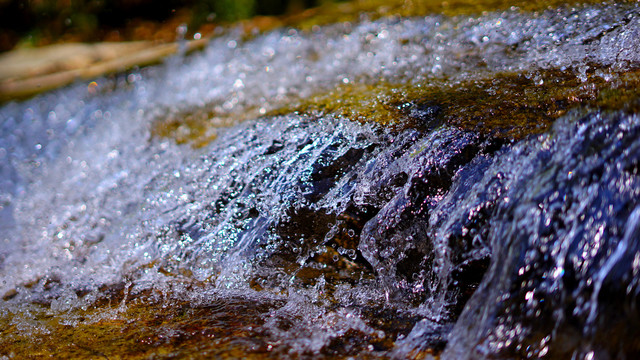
x,y
198,126
234,10
143,328
352,10
507,105
148,326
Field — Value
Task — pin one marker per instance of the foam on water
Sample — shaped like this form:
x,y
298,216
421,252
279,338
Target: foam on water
x,y
339,222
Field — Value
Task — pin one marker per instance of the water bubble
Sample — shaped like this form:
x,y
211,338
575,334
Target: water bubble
x,y
181,31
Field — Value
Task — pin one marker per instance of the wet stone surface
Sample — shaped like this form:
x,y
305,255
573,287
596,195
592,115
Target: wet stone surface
x,y
569,267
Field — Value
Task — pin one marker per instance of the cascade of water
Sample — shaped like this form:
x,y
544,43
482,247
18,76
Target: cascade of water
x,y
327,232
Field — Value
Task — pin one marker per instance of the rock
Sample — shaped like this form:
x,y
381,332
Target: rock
x,y
563,240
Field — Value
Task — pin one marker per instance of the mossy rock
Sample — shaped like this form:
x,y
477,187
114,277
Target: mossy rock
x,y
511,106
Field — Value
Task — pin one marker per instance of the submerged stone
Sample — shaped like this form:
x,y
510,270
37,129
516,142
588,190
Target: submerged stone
x,y
509,106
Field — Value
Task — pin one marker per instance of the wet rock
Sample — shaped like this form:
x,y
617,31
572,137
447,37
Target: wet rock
x,y
399,241
563,238
423,114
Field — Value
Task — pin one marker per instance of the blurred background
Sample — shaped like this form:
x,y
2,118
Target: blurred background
x,y
43,22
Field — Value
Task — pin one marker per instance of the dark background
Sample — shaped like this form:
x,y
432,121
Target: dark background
x,y
41,22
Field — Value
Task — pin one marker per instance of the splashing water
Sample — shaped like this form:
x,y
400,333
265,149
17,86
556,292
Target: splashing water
x,y
310,234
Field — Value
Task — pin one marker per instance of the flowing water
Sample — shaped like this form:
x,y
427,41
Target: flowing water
x,y
206,207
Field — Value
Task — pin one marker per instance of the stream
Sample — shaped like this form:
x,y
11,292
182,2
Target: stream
x,y
457,187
